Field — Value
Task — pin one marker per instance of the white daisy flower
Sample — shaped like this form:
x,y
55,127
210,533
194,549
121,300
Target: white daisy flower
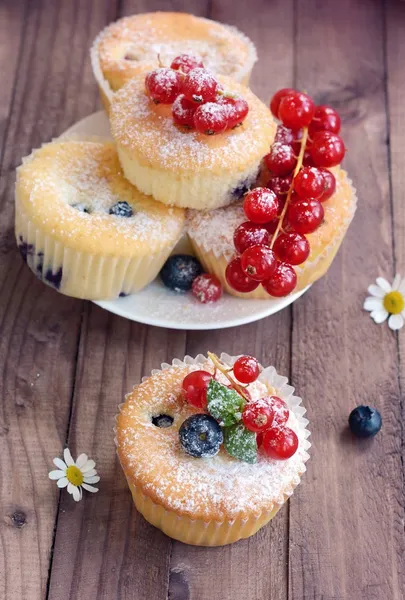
x,y
387,300
75,475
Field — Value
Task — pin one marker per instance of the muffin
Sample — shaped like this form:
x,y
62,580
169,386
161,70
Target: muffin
x,y
157,38
211,235
183,167
192,488
83,228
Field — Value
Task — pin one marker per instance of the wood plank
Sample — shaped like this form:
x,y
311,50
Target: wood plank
x,y
39,329
346,521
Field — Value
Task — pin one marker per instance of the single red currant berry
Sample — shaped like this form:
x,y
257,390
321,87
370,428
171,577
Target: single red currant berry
x,y
282,282
163,85
259,439
329,184
258,262
285,135
207,288
281,159
296,110
305,216
199,85
328,149
237,279
280,443
309,183
210,118
292,248
250,234
246,369
237,110
183,111
280,410
186,63
325,118
260,205
195,386
307,160
276,99
280,185
257,416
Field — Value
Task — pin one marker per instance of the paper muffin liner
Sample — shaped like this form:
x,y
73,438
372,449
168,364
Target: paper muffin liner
x,y
83,274
313,269
210,532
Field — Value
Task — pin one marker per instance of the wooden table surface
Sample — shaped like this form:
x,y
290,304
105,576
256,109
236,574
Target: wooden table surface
x,y
66,364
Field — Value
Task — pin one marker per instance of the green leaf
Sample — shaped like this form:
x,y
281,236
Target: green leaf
x,y
240,443
224,404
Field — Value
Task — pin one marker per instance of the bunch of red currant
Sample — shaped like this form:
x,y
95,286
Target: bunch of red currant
x,y
198,100
272,241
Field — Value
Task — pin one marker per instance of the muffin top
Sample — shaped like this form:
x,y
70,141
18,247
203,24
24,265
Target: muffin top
x,y
138,40
220,487
148,133
77,191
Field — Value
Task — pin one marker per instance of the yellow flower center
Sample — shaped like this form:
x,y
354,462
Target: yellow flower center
x,y
74,475
394,303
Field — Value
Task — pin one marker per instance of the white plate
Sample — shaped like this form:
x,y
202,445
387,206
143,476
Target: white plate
x,y
156,305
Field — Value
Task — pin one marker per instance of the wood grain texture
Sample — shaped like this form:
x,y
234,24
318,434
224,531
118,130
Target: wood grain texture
x,y
345,526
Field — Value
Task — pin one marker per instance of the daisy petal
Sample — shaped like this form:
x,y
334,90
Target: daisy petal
x,y
56,474
94,479
397,281
70,488
68,457
379,316
89,488
376,291
62,482
383,283
395,322
90,473
60,464
77,496
90,464
81,460
372,303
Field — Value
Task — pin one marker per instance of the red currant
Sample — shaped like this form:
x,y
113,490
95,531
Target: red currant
x,y
237,110
186,63
280,443
325,118
259,439
246,369
292,248
280,409
261,205
309,183
272,226
329,184
258,262
280,185
305,216
250,234
183,111
307,160
257,416
195,386
276,99
285,135
237,279
296,110
163,85
328,149
210,118
281,159
282,282
200,86
207,288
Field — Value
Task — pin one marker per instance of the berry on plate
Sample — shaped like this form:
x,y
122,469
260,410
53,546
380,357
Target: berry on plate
x,y
280,185
237,278
258,262
257,416
325,118
163,85
305,216
296,110
199,85
207,288
246,369
250,234
211,118
281,159
276,99
292,248
282,282
201,436
179,272
365,421
261,205
309,183
195,386
327,150
186,63
280,443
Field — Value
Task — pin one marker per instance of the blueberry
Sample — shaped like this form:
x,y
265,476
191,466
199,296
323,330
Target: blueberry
x,y
54,279
162,421
179,272
121,209
241,189
201,436
365,421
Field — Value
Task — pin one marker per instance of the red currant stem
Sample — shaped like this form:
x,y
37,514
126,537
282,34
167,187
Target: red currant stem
x,y
238,388
296,170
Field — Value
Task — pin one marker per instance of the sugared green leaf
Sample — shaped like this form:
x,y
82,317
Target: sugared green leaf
x,y
224,404
240,443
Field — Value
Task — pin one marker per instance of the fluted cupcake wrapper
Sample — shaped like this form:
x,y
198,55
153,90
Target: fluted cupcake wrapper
x,y
210,532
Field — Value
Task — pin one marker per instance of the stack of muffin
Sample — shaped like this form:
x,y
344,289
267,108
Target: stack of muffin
x,y
97,219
